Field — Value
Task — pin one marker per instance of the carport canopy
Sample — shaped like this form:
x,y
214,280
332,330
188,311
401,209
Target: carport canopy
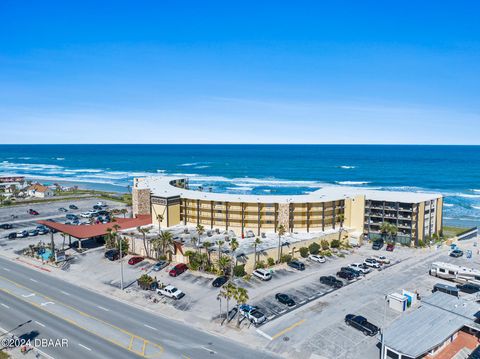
x,y
95,230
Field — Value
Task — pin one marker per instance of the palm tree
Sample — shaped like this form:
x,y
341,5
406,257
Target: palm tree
x,y
124,211
227,292
233,247
63,243
156,245
200,231
241,297
207,245
256,243
281,232
341,218
392,231
166,240
219,243
384,229
144,232
223,263
159,220
2,198
110,238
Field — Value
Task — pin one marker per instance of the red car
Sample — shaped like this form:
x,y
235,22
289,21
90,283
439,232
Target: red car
x,y
178,269
135,260
33,212
390,247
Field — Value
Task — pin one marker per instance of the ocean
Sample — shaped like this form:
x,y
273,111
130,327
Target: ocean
x,y
453,171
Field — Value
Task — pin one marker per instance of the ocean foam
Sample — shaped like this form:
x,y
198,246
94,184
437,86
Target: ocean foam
x,y
476,207
448,205
352,183
348,167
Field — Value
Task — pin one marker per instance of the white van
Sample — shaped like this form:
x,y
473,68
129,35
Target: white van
x,y
263,274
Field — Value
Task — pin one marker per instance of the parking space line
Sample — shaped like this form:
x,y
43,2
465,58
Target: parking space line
x,y
42,325
6,269
148,326
83,346
263,334
64,292
288,329
34,280
209,350
103,308
4,305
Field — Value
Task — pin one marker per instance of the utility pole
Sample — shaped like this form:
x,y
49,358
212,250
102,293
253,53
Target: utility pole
x,y
121,263
382,354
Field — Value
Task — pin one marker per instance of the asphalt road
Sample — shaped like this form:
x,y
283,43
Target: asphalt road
x,y
100,323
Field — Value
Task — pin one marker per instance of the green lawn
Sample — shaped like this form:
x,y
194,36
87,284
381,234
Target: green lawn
x,y
449,232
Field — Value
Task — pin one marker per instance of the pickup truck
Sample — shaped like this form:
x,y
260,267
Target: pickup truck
x,y
171,292
362,324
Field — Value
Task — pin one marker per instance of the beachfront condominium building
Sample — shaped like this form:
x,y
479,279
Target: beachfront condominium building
x,y
417,216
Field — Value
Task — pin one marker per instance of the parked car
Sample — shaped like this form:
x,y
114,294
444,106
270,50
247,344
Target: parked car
x,y
361,267
63,209
316,258
372,263
356,273
362,324
33,212
22,234
134,260
42,229
448,289
296,265
331,281
285,299
390,247
469,288
88,214
346,275
72,206
377,245
112,254
171,292
71,216
382,259
252,314
263,274
101,204
159,265
178,269
6,226
12,235
219,281
103,213
456,253
32,233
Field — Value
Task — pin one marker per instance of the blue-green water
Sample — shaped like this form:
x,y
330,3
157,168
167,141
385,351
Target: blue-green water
x,y
276,169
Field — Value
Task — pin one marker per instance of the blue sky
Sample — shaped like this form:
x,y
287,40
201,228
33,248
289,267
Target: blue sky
x,y
239,72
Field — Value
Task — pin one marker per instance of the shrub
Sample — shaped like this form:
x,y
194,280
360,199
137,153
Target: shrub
x,y
335,243
324,244
261,264
304,252
285,258
270,261
314,248
420,243
239,271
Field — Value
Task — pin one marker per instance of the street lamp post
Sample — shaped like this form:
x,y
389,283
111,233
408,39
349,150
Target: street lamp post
x,y
382,355
121,264
220,302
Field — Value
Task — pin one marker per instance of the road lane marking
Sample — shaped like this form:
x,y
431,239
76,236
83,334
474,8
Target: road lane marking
x,y
28,295
46,303
4,305
148,326
263,334
42,325
34,280
209,350
83,346
288,329
8,270
103,308
154,345
64,292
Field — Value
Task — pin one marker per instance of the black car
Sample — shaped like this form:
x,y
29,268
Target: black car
x,y
346,275
6,226
475,354
355,272
297,265
103,213
362,324
285,299
72,206
112,254
12,235
456,253
331,281
377,245
219,281
62,209
469,288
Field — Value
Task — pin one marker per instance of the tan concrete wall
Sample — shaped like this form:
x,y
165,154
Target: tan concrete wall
x,y
173,214
158,209
421,220
439,214
355,213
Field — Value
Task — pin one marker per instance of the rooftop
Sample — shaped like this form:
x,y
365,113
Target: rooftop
x,y
439,316
161,186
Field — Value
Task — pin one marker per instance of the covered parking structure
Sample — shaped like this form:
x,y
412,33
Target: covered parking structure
x,y
83,232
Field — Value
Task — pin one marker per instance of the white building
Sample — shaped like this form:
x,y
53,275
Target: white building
x,y
37,190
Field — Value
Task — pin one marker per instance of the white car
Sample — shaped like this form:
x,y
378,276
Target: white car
x,y
171,292
371,262
361,267
101,204
88,214
262,274
316,258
